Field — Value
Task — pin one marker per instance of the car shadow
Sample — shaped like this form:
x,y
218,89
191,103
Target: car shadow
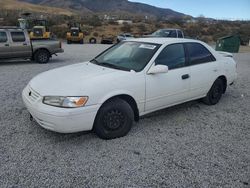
x,y
15,62
25,62
89,135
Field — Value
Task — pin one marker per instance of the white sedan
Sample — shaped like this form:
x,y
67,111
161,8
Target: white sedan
x,y
130,79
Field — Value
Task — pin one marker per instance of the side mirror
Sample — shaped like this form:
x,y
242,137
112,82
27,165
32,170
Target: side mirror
x,y
158,69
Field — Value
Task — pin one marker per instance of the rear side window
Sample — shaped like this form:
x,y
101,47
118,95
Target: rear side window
x,y
3,37
173,56
17,36
198,54
180,35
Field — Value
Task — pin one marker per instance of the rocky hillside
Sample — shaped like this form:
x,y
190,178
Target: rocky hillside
x,y
109,6
23,6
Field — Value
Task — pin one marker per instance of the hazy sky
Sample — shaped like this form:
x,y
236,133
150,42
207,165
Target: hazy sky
x,y
222,9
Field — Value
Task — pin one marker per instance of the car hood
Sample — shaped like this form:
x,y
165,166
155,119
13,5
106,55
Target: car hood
x,y
71,80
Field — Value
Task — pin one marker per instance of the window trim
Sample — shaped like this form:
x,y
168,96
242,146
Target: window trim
x,y
5,35
17,32
185,53
188,55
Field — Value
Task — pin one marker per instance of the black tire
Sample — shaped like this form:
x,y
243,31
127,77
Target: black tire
x,y
81,41
92,40
215,93
42,56
114,119
68,42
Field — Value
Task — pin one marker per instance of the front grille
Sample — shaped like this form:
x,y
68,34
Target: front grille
x,y
75,33
32,95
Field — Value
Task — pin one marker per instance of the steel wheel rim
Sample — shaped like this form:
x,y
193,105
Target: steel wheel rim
x,y
43,57
113,120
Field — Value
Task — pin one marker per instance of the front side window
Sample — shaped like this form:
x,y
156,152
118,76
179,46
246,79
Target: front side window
x,y
198,54
3,37
127,56
172,56
17,36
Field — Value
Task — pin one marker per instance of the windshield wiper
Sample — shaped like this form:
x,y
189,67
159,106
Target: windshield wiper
x,y
104,64
95,61
114,66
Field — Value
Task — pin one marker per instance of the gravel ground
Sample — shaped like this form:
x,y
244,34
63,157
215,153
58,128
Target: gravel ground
x,y
190,145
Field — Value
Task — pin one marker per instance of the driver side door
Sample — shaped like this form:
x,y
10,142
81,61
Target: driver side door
x,y
166,89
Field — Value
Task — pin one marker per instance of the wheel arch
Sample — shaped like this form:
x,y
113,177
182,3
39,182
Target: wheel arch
x,y
224,79
37,50
129,99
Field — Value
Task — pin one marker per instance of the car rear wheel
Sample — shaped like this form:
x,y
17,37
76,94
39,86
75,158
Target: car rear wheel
x,y
215,93
42,56
114,119
81,41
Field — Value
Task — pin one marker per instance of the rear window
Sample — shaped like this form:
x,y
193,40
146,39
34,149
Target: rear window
x,y
199,54
3,36
180,35
173,34
17,36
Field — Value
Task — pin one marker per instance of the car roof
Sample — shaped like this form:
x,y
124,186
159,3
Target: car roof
x,y
162,40
168,29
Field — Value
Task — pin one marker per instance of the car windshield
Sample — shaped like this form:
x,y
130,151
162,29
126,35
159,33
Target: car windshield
x,y
127,56
162,33
128,35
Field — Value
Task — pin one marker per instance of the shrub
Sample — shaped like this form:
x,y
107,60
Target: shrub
x,y
95,34
126,28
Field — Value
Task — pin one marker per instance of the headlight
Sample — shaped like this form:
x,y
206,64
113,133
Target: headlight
x,y
65,102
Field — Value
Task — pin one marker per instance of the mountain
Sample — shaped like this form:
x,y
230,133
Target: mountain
x,y
17,5
99,6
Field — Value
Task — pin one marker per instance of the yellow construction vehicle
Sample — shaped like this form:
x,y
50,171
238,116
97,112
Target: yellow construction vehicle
x,y
75,35
40,30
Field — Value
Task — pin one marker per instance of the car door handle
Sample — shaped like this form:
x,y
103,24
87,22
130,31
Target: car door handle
x,y
25,44
6,45
185,76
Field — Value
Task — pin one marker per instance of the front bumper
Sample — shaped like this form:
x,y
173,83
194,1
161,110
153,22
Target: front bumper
x,y
75,39
62,120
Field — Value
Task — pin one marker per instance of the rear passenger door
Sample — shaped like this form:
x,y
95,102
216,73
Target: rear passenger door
x,y
4,45
204,69
20,45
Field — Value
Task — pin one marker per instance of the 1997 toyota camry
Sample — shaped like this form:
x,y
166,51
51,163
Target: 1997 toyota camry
x,y
126,81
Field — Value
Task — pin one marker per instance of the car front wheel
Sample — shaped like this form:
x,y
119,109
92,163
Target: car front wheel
x,y
114,119
215,93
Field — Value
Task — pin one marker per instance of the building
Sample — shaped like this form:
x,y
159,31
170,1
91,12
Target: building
x,y
120,22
